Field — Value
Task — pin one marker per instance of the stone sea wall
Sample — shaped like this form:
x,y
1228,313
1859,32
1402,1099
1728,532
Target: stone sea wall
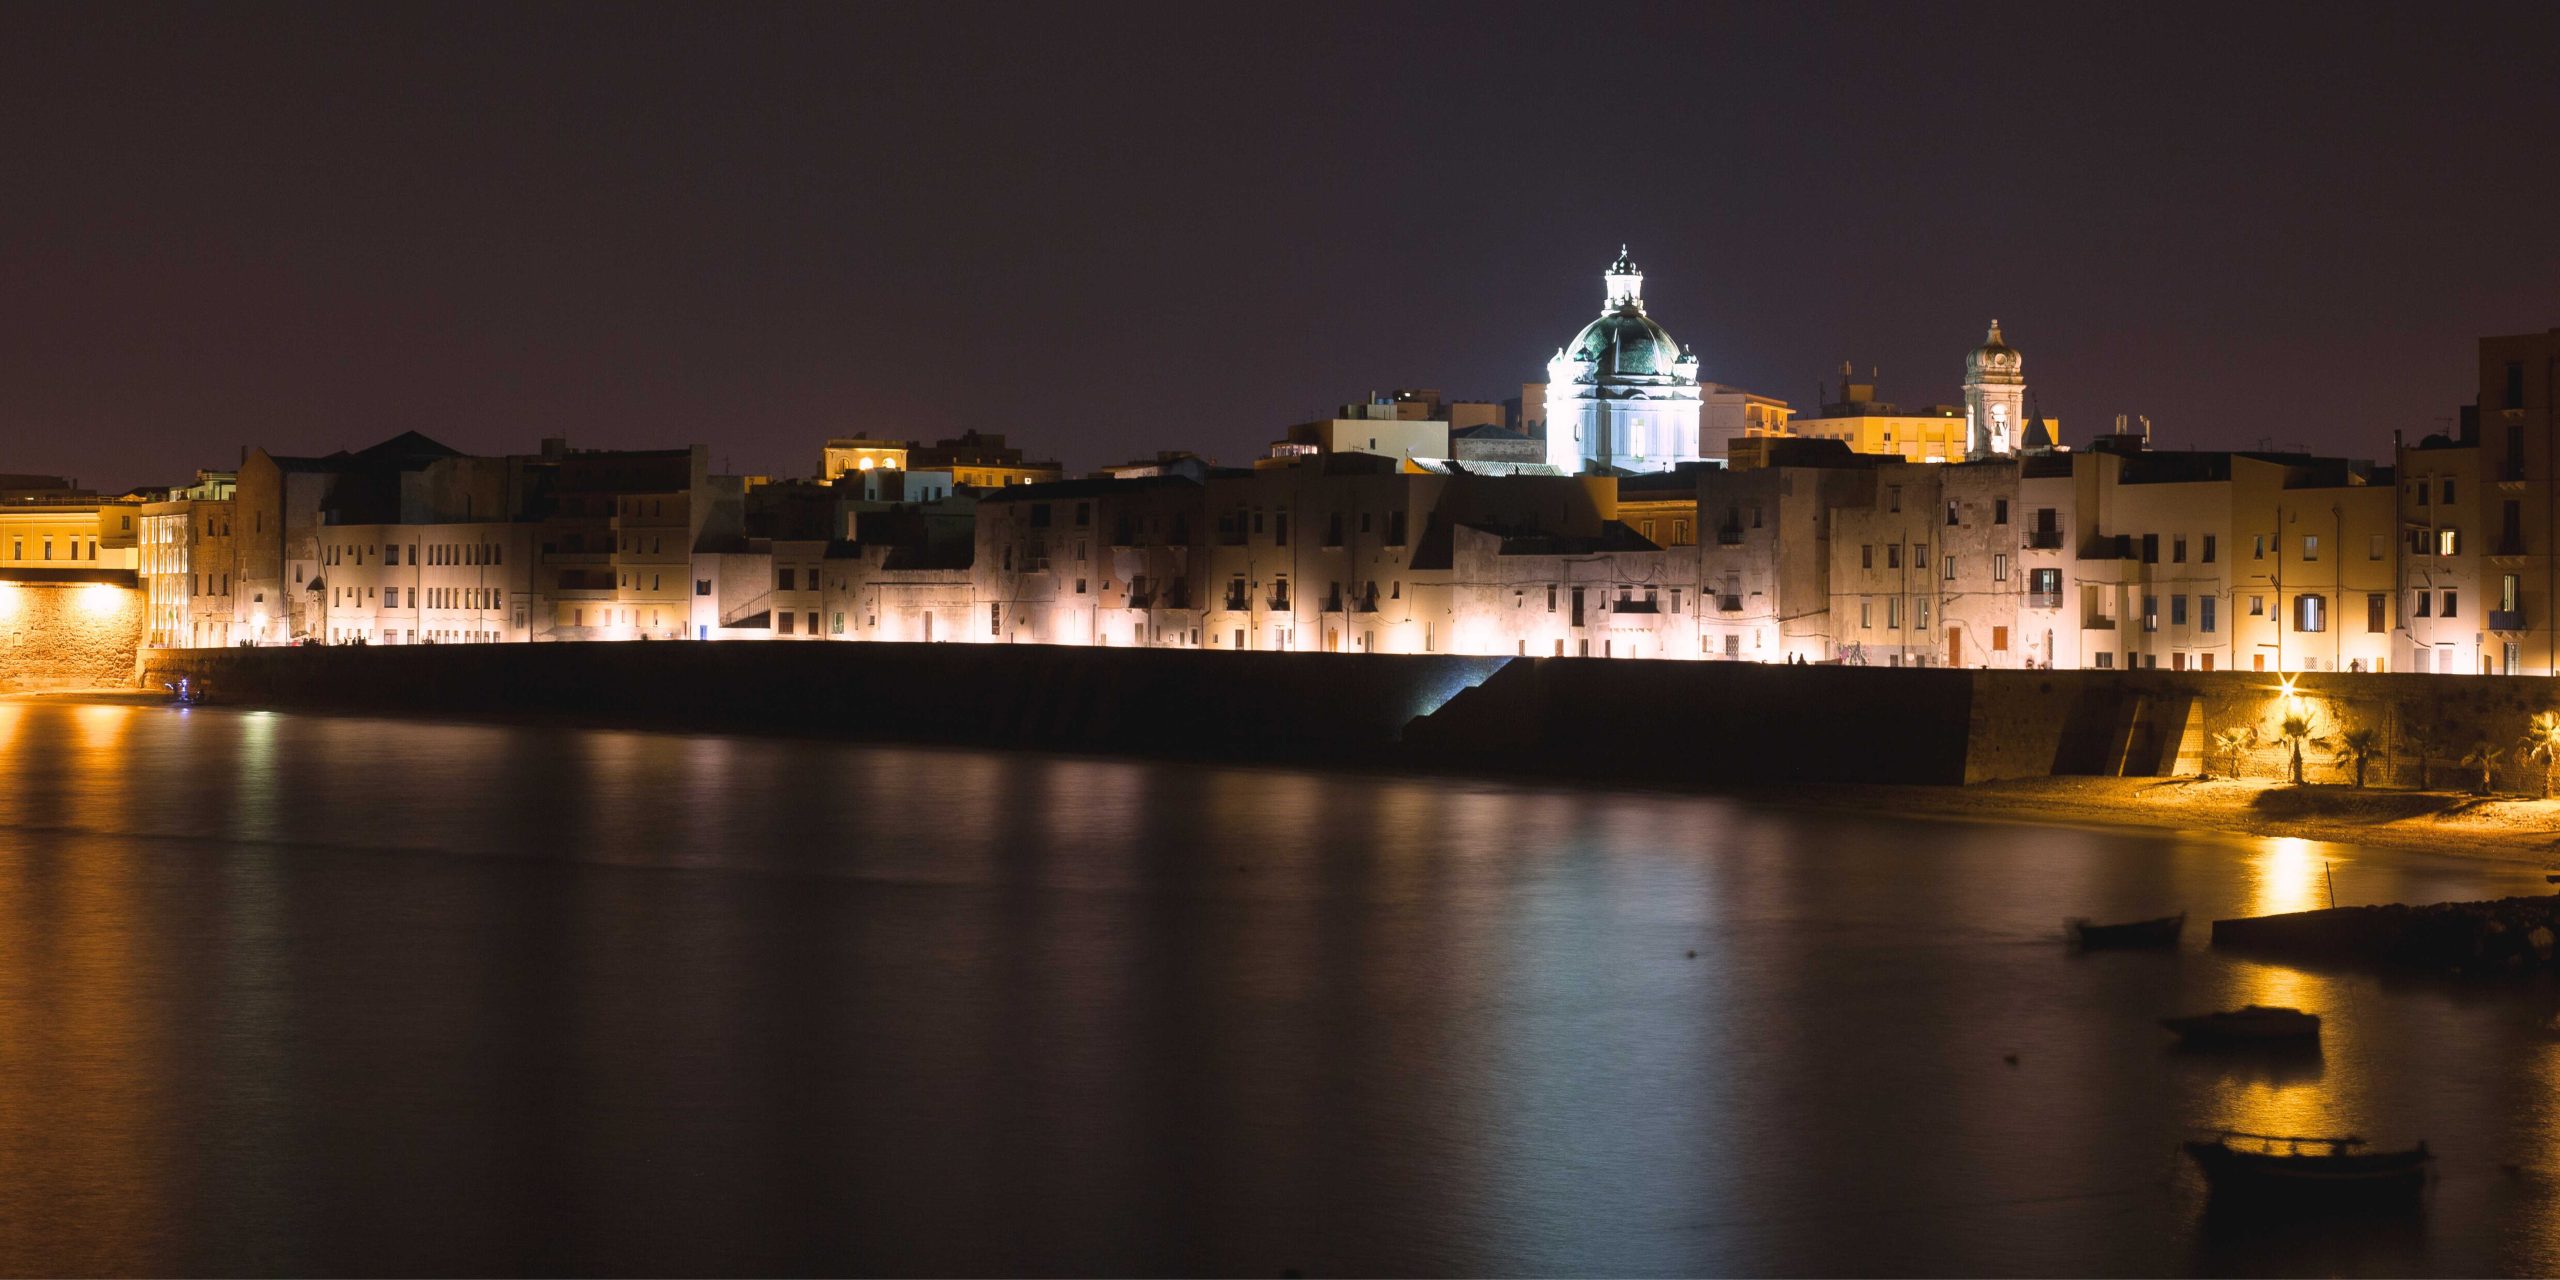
x,y
2508,936
73,635
1668,723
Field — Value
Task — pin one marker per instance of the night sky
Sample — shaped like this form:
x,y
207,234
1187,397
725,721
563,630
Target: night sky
x,y
1109,231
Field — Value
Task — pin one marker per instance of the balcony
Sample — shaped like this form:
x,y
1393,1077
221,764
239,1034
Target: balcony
x,y
2510,545
2044,539
1728,537
1728,604
2506,619
2044,599
1236,600
1333,601
1279,601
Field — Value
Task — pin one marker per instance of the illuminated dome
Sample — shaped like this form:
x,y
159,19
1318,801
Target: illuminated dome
x,y
1622,396
1626,341
1995,360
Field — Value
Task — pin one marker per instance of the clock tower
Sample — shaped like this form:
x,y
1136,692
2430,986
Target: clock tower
x,y
1995,392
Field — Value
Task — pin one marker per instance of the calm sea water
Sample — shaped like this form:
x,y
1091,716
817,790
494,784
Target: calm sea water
x,y
321,995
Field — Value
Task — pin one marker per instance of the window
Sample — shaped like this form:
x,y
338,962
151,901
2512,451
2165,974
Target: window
x,y
2377,611
1080,586
2515,384
2177,611
2257,606
1893,612
2448,542
2106,662
1919,555
702,586
782,580
1951,512
2310,546
1893,555
1395,528
2204,613
2423,605
784,620
1551,597
2151,548
1999,511
1866,555
1892,493
995,619
2151,613
1999,567
1948,563
2451,598
2178,549
2257,546
1866,615
2447,490
2207,556
2311,613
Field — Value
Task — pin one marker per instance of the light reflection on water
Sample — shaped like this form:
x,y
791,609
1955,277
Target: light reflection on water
x,y
290,994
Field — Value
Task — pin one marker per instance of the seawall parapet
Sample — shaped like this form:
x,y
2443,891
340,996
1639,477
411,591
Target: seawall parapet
x,y
2501,936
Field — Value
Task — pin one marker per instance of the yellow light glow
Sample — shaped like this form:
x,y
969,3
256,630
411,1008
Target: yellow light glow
x,y
99,599
868,463
8,599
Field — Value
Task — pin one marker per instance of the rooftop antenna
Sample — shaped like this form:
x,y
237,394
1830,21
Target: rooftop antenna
x,y
2146,430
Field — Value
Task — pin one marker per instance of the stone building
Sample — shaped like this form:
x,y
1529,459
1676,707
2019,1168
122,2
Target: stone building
x,y
2479,522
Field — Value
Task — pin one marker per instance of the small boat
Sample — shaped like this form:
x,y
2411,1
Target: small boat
x,y
2249,1022
2162,932
2269,1165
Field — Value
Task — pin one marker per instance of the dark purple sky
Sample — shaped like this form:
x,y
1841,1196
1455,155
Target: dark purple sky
x,y
1107,231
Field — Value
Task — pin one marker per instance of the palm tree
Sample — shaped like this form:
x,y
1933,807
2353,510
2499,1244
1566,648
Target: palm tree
x,y
2357,748
2296,729
2232,741
2484,756
2426,739
2542,743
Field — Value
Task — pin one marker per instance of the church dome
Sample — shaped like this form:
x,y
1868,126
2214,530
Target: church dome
x,y
1626,342
1994,357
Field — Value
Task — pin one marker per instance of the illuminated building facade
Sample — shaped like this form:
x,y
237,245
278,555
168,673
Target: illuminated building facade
x,y
855,453
1622,396
183,556
2478,522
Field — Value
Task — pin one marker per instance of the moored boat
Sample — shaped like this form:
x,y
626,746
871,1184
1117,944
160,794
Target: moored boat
x,y
2162,932
2275,1165
2250,1022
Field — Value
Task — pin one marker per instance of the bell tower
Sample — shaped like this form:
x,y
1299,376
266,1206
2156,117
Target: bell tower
x,y
1995,393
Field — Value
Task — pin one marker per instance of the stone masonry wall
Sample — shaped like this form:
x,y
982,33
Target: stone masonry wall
x,y
68,636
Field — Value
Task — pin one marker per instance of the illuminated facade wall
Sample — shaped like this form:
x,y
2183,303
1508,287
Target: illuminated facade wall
x,y
68,629
426,584
2479,522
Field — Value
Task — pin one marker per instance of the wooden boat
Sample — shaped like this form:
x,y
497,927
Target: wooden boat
x,y
2239,1164
2162,932
2252,1023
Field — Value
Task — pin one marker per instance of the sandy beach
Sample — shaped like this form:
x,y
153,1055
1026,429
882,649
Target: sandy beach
x,y
2505,827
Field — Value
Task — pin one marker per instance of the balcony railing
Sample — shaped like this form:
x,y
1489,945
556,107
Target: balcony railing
x,y
2511,546
2044,599
1728,537
2044,539
1236,600
1728,604
2506,619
